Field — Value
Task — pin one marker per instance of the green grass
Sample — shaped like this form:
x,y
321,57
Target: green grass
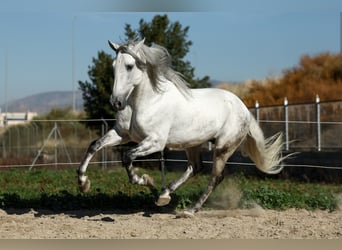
x,y
110,189
284,194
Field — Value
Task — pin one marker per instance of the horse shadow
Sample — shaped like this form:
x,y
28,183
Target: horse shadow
x,y
87,205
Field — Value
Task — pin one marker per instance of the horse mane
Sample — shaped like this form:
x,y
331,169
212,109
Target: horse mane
x,y
158,65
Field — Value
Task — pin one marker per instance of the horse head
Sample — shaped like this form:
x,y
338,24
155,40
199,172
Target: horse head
x,y
128,72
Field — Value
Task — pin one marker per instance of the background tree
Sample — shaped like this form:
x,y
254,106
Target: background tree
x,y
96,93
173,36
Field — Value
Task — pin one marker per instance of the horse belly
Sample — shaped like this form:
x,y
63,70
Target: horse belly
x,y
192,130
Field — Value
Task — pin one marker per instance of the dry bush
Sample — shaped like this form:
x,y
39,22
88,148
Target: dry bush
x,y
315,75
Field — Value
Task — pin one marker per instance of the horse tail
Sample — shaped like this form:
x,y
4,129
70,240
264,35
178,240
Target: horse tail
x,y
265,153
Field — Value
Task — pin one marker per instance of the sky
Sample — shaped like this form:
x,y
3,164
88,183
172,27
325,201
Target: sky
x,y
48,45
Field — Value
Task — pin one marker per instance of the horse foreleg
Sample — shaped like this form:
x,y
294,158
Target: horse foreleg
x,y
111,138
164,197
194,166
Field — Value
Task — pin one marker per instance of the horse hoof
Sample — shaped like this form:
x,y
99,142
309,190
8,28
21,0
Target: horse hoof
x,y
84,186
149,181
185,214
163,200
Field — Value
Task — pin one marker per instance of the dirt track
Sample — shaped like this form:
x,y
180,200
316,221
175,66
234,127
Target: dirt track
x,y
218,224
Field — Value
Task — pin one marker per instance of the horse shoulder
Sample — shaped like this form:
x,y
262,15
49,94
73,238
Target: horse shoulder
x,y
123,120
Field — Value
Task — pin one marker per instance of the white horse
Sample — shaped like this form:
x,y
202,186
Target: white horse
x,y
156,109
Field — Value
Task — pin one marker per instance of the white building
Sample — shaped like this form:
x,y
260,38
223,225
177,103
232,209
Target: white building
x,y
16,118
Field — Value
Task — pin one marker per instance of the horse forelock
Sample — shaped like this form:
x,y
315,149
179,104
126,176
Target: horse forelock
x,y
125,49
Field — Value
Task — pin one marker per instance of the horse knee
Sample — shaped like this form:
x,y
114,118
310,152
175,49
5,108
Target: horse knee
x,y
92,147
197,168
126,159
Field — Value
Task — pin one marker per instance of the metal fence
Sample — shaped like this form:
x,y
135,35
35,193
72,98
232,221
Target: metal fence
x,y
306,127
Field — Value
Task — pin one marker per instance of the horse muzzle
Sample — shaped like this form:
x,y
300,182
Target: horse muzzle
x,y
118,102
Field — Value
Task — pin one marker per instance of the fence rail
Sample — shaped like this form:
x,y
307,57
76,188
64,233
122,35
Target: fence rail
x,y
72,164
312,126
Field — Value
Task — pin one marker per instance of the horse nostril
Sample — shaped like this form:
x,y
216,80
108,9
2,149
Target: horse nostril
x,y
118,104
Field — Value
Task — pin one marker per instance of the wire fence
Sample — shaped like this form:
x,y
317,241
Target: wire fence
x,y
306,127
314,127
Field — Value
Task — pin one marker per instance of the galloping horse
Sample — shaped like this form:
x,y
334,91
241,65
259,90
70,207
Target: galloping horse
x,y
156,109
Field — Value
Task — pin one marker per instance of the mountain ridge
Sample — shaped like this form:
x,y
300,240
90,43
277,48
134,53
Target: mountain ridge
x,y
43,102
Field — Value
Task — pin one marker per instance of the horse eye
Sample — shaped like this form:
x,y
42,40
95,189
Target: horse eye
x,y
129,67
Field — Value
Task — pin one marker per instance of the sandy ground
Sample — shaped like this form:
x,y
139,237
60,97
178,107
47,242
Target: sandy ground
x,y
255,223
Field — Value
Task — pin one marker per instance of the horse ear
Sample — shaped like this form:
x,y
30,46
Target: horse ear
x,y
140,44
114,46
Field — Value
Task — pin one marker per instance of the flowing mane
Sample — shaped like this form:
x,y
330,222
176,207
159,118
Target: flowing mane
x,y
157,61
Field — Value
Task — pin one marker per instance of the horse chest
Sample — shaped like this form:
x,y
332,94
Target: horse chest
x,y
149,123
140,127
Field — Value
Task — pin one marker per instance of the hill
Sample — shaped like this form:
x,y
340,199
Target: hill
x,y
44,102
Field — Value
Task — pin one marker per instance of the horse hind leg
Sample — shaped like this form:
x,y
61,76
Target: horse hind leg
x,y
217,175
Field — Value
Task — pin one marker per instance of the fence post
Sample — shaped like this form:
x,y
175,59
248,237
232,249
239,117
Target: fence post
x,y
318,122
27,128
162,166
286,121
104,150
9,144
18,140
35,136
75,140
257,111
4,154
56,145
